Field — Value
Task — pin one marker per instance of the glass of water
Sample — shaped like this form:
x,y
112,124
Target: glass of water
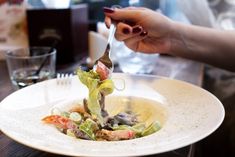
x,y
133,62
27,66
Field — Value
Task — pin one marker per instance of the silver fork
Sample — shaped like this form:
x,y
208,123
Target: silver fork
x,y
105,59
64,78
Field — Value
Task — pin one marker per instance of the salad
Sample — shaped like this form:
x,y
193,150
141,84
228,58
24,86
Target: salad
x,y
91,121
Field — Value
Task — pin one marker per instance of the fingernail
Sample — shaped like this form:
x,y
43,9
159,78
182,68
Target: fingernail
x,y
125,31
137,29
144,33
108,10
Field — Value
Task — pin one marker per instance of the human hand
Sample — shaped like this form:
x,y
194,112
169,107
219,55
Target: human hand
x,y
2,1
141,29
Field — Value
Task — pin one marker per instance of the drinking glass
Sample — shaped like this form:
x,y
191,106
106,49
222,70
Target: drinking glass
x,y
130,61
226,20
133,62
27,66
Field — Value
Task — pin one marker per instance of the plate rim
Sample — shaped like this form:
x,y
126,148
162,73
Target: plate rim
x,y
144,153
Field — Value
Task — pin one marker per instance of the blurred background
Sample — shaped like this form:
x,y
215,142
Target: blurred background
x,y
46,22
76,29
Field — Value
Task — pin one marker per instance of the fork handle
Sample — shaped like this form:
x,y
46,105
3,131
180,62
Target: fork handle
x,y
112,31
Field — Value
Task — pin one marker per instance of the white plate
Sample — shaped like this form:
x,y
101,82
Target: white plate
x,y
192,114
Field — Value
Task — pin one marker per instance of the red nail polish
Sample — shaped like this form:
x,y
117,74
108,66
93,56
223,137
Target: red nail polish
x,y
108,10
137,29
125,31
144,33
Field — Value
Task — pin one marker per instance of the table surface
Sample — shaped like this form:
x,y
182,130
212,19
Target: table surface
x,y
167,66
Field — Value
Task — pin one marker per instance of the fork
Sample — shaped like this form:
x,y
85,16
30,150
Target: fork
x,y
64,78
105,58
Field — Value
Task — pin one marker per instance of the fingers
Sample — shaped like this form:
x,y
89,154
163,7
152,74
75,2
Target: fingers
x,y
108,15
125,31
121,14
133,42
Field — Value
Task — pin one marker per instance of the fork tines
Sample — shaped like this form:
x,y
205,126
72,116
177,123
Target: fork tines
x,y
64,79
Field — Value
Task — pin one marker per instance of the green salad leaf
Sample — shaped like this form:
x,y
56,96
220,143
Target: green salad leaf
x,y
152,128
106,87
138,128
92,80
89,127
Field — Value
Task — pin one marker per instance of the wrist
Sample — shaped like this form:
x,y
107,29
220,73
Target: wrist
x,y
177,39
174,37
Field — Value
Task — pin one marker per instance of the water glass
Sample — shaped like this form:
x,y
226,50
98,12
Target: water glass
x,y
133,62
27,66
226,20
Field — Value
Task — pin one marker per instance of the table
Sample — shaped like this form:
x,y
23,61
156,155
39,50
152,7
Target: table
x,y
167,66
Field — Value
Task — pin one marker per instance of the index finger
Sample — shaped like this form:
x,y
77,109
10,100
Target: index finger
x,y
129,14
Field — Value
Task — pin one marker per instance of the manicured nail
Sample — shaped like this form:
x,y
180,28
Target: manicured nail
x,y
144,33
108,10
125,31
137,29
